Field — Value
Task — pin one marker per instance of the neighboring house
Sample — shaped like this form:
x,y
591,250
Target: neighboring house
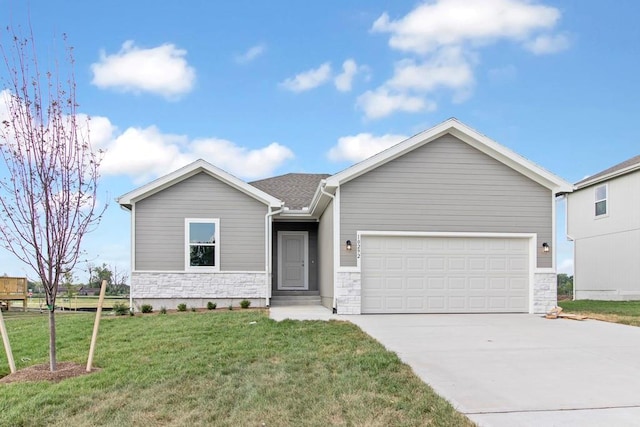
x,y
603,220
445,221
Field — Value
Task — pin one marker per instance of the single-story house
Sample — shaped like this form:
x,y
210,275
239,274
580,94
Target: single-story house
x,y
447,221
603,220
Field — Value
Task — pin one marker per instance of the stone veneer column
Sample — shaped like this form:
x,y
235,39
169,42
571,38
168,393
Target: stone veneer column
x,y
348,292
545,292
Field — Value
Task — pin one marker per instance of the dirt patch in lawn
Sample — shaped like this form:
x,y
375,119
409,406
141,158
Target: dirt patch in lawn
x,y
42,373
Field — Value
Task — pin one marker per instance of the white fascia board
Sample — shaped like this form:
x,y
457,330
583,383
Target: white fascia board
x,y
466,134
608,176
191,170
320,199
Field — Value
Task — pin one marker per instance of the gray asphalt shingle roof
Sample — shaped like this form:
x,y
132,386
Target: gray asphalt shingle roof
x,y
620,166
295,189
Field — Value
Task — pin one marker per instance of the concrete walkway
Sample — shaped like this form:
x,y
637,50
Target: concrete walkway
x,y
302,312
514,370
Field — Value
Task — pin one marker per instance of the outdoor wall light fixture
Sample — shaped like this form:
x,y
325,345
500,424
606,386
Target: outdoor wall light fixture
x,y
545,247
348,245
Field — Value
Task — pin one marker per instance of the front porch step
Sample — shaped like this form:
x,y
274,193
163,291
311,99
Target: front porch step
x,y
294,293
283,301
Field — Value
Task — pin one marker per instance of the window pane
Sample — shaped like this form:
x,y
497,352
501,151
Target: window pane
x,y
601,192
202,232
601,208
202,256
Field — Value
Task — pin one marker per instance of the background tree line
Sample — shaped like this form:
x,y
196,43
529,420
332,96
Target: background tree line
x,y
70,285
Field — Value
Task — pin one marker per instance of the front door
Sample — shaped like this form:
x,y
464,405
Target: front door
x,y
293,269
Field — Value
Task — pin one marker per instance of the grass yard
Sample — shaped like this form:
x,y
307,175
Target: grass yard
x,y
227,368
625,312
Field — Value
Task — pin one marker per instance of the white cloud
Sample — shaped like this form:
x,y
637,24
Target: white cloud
x,y
146,153
251,54
241,161
309,79
548,43
362,146
161,70
458,22
446,69
442,41
344,80
381,102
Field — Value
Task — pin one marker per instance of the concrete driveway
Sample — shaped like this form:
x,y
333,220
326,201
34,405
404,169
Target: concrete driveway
x,y
520,370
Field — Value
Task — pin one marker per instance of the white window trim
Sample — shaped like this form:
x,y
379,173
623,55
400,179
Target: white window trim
x,y
187,259
606,200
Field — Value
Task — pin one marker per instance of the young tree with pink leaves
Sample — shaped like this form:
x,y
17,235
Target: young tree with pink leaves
x,y
48,190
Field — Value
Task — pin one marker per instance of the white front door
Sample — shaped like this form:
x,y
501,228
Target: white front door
x,y
293,268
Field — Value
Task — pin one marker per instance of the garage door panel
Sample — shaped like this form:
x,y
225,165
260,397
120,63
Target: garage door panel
x,y
478,283
415,283
498,283
436,263
374,303
436,283
415,303
457,283
394,283
478,264
416,264
394,263
435,304
403,274
457,263
458,304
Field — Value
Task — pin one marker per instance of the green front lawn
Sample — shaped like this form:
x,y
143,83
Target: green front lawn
x,y
217,368
625,312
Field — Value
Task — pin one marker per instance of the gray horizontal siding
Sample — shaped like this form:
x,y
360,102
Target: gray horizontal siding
x,y
159,228
445,186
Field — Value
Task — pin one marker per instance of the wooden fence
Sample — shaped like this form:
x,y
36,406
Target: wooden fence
x,y
13,289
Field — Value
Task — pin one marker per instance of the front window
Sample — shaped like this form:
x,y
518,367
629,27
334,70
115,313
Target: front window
x,y
202,243
601,200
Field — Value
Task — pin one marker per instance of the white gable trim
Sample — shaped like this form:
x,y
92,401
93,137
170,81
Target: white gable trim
x,y
187,172
469,136
611,175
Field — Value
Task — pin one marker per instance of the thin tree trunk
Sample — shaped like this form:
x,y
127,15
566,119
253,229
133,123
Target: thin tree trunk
x,y
52,340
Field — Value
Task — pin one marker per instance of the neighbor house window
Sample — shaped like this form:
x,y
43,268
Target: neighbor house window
x,y
202,244
601,200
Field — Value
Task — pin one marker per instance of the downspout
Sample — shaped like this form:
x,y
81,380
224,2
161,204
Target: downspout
x,y
569,237
333,199
268,245
133,251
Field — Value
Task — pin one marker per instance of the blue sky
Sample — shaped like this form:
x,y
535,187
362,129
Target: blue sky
x,y
265,88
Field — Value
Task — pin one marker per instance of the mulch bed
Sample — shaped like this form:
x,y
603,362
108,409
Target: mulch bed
x,y
42,373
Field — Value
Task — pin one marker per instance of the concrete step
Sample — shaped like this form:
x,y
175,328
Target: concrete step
x,y
294,293
284,301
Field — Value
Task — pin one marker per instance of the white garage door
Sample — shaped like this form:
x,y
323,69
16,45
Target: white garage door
x,y
444,274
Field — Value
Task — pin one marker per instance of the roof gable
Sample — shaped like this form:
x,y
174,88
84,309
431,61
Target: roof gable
x,y
622,168
190,170
465,134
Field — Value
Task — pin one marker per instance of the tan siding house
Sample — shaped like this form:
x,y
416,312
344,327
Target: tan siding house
x,y
447,221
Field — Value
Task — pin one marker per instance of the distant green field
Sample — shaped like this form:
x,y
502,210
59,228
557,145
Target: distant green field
x,y
73,303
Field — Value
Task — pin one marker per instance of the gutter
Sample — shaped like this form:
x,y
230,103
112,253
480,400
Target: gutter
x,y
323,184
268,223
570,238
